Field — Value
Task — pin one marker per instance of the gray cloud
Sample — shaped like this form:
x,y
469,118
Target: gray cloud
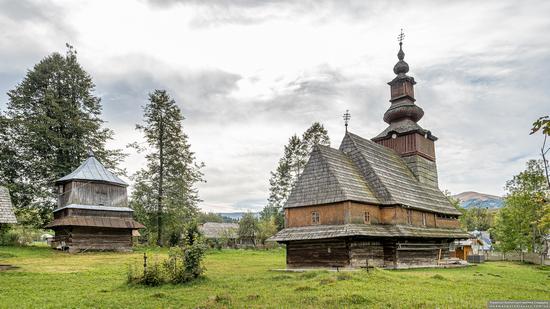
x,y
481,70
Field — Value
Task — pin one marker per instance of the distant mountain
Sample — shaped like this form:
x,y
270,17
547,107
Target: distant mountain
x,y
471,199
236,215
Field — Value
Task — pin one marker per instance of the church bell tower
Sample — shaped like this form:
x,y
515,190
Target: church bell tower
x,y
413,143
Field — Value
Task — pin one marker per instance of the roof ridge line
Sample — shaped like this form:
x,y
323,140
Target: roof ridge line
x,y
372,170
331,171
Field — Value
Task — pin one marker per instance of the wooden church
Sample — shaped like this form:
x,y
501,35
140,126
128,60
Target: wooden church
x,y
92,210
373,202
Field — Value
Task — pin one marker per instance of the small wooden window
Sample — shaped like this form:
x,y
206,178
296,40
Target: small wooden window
x,y
315,217
409,216
367,217
424,219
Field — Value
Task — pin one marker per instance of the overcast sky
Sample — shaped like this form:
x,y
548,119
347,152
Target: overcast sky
x,y
249,73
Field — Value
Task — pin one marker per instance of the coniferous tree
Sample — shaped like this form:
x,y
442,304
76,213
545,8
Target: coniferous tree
x,y
164,196
52,119
290,166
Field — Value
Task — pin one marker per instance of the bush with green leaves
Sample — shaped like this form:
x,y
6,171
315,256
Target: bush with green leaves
x,y
153,275
183,265
18,235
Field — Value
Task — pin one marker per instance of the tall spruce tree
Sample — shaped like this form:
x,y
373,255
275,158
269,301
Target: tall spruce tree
x,y
290,166
52,119
164,196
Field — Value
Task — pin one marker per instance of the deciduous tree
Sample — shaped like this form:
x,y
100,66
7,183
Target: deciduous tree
x,y
520,224
248,227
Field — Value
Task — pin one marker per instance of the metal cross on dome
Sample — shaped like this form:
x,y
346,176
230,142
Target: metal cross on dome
x,y
401,36
347,117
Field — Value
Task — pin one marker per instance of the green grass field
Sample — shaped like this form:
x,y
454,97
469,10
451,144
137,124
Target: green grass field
x,y
242,278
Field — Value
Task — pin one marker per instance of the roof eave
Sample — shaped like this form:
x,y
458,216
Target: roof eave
x,y
63,181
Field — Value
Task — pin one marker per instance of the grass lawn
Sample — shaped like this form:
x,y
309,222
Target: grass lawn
x,y
241,278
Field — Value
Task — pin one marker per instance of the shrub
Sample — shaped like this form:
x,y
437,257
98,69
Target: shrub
x,y
193,256
184,264
18,236
152,276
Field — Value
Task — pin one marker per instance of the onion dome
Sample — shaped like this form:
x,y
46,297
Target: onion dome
x,y
397,112
401,67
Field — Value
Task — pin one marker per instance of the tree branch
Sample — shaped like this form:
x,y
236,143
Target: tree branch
x,y
544,161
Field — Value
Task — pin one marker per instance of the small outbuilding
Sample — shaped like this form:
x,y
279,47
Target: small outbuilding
x,y
477,245
7,215
92,211
223,234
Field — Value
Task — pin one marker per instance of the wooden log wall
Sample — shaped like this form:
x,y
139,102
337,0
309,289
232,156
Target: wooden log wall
x,y
89,238
421,252
355,252
90,193
318,253
365,253
353,213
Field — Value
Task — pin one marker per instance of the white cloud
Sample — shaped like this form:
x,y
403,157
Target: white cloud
x,y
248,74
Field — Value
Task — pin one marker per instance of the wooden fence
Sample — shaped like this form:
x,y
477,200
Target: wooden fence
x,y
534,258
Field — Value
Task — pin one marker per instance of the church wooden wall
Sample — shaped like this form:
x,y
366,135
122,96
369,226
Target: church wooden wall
x,y
446,222
329,214
332,214
363,250
398,215
317,253
351,212
89,193
356,213
355,252
421,252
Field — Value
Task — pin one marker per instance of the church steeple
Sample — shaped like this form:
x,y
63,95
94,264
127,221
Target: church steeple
x,y
404,135
402,92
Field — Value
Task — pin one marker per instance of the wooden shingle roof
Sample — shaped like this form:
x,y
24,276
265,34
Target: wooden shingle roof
x,y
368,230
404,126
363,171
390,178
328,177
6,208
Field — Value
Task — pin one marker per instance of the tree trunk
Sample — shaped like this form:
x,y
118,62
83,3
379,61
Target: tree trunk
x,y
544,162
161,179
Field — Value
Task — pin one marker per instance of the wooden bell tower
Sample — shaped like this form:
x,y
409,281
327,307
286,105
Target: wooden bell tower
x,y
413,143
